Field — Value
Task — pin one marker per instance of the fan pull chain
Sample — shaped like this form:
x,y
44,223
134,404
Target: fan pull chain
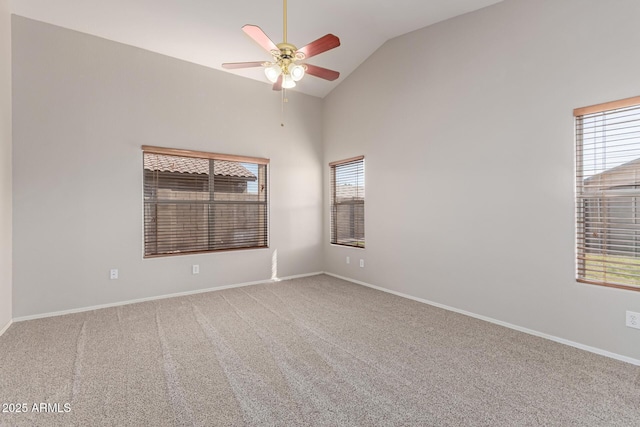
x,y
284,101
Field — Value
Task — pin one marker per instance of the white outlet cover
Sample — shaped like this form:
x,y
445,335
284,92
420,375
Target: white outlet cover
x,y
195,269
348,260
362,263
633,320
113,273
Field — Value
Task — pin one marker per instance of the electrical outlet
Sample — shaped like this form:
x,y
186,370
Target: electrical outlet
x,y
195,269
348,260
113,274
633,319
361,263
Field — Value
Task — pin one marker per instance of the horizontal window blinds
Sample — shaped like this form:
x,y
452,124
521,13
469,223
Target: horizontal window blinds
x,y
201,203
347,202
608,194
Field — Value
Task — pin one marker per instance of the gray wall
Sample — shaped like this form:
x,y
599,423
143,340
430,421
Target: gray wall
x,y
5,164
467,129
82,108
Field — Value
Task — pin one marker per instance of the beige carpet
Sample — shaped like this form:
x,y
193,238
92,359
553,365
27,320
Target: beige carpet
x,y
312,351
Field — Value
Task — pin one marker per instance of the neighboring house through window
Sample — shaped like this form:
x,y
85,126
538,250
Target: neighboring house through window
x,y
203,202
608,194
347,202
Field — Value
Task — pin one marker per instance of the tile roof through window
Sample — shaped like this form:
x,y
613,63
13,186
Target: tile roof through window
x,y
163,163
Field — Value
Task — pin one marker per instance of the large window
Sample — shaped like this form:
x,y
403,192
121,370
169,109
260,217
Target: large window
x,y
608,194
202,202
347,202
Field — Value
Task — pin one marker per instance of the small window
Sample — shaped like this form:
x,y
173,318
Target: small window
x,y
347,202
203,202
608,194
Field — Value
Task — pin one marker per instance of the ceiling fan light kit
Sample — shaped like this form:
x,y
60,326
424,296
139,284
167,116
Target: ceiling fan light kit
x,y
297,72
273,71
284,71
287,82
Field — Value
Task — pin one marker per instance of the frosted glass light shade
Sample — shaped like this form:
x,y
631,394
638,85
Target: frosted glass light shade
x,y
288,82
273,72
297,72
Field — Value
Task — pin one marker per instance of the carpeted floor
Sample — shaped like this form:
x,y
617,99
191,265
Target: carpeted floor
x,y
314,351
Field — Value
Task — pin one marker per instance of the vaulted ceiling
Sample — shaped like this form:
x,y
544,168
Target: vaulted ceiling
x,y
209,32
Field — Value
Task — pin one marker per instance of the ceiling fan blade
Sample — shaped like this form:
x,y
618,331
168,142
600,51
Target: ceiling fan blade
x,y
323,73
233,65
278,84
319,46
259,37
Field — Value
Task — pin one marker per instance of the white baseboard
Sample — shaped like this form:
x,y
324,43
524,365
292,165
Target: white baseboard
x,y
499,322
158,297
3,330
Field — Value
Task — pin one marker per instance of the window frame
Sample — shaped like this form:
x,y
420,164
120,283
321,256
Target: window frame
x,y
581,197
333,228
147,149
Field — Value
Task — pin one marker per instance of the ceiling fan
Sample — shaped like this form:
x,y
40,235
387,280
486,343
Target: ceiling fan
x,y
285,70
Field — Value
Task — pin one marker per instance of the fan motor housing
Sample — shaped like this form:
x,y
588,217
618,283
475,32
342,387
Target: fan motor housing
x,y
287,51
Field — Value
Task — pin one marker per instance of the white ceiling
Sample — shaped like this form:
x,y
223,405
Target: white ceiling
x,y
209,32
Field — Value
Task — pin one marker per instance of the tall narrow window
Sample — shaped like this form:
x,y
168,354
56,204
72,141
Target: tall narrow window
x,y
347,202
608,194
203,202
